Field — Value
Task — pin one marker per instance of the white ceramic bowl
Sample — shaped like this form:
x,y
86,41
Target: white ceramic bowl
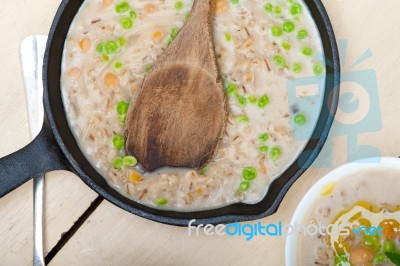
x,y
314,192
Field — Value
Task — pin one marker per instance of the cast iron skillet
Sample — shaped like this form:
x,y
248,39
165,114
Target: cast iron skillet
x,y
55,147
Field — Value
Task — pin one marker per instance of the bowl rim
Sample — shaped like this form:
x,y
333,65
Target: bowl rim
x,y
337,174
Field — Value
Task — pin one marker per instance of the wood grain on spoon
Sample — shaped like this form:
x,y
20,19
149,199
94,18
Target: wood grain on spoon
x,y
179,114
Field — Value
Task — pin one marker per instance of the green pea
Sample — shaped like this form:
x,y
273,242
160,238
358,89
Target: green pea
x,y
244,186
228,37
380,258
340,260
122,107
187,15
268,8
252,99
279,61
126,23
263,101
117,163
295,9
276,31
148,67
106,58
372,241
132,14
288,26
318,69
275,153
118,65
263,149
235,1
277,10
302,34
242,118
389,246
122,118
101,48
121,41
122,7
286,46
129,161
203,170
118,142
111,47
241,100
300,119
178,5
161,201
249,173
297,68
263,137
174,32
307,51
231,89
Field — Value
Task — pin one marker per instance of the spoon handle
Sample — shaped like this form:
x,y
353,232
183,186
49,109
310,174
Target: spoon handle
x,y
32,52
38,206
201,9
194,43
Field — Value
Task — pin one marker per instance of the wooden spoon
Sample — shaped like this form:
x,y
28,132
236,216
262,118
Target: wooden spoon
x,y
179,114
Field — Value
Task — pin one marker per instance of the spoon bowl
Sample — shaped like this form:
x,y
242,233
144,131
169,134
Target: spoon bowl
x,y
178,116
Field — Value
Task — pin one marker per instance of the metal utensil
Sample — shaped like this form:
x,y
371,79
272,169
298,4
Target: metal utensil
x,y
32,53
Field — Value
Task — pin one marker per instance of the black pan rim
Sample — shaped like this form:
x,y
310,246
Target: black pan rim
x,y
232,213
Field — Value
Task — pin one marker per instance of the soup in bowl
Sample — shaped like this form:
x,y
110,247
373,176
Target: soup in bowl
x,y
349,217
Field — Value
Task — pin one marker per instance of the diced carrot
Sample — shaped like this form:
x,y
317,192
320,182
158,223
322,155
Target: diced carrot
x,y
111,81
74,72
134,177
158,35
106,3
263,169
85,44
149,8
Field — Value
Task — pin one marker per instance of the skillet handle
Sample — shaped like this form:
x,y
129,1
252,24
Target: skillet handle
x,y
40,156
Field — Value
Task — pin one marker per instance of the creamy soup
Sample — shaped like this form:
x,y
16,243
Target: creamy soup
x,y
259,45
361,202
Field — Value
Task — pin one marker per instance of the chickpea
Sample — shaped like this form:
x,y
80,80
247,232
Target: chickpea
x,y
85,44
388,231
158,36
111,81
361,256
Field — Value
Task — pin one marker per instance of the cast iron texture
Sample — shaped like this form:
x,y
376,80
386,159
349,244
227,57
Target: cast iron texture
x,y
39,156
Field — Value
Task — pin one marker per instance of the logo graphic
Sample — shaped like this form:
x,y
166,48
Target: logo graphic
x,y
358,110
249,230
